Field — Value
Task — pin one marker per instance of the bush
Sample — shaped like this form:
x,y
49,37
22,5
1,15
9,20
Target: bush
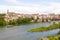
x,y
12,22
23,20
2,22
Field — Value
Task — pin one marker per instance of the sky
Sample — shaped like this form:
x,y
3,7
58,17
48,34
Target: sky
x,y
30,6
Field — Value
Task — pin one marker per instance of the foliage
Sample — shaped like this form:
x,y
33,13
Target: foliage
x,y
11,22
19,20
41,29
14,22
58,32
2,14
23,20
2,21
56,37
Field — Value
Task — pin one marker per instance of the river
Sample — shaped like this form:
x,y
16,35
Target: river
x,y
20,32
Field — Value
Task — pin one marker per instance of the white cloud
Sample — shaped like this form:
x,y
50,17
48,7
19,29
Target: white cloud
x,y
52,8
55,7
11,0
22,9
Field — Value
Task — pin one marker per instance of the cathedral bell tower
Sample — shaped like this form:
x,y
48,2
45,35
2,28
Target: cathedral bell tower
x,y
7,11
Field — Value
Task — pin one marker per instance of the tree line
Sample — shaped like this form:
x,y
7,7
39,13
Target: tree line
x,y
14,22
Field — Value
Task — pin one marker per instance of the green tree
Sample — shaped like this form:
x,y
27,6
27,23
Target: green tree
x,y
23,20
11,22
2,21
19,21
26,20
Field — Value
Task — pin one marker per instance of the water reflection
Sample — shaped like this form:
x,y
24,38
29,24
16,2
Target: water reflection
x,y
20,32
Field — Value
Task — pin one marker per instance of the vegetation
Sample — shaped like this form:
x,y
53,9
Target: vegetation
x,y
57,37
2,21
58,33
50,38
41,29
23,20
19,21
11,22
2,15
14,22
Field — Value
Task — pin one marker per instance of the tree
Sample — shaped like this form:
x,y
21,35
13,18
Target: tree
x,y
19,21
26,20
23,20
11,22
2,22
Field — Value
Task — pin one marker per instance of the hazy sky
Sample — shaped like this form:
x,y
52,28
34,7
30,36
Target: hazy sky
x,y
30,6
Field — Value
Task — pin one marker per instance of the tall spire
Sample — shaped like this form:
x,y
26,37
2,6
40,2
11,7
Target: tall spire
x,y
7,11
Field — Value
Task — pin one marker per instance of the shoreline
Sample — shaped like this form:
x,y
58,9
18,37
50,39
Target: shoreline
x,y
8,26
41,29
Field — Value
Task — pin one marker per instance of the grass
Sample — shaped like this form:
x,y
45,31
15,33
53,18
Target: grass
x,y
41,29
56,37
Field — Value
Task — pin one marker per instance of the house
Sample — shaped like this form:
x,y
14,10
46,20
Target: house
x,y
38,17
10,16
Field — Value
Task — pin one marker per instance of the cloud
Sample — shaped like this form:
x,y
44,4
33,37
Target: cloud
x,y
53,7
23,9
11,0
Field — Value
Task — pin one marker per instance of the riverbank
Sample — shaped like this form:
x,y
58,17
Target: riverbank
x,y
8,26
41,29
20,32
56,37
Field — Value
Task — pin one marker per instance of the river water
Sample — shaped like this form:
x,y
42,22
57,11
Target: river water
x,y
20,32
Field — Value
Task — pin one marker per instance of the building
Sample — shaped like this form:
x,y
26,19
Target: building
x,y
38,17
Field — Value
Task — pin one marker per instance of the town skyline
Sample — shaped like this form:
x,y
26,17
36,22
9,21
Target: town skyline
x,y
44,13
30,6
